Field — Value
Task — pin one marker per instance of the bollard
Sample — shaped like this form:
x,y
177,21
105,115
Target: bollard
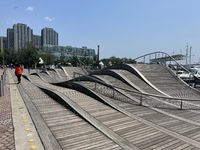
x,y
1,88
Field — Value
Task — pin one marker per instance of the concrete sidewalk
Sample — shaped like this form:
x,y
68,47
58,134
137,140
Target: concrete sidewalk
x,y
17,130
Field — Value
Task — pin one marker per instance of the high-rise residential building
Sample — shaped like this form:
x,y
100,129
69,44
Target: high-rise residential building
x,y
22,36
10,39
3,43
49,36
37,41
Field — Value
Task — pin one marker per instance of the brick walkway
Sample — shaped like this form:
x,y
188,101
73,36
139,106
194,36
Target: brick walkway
x,y
6,125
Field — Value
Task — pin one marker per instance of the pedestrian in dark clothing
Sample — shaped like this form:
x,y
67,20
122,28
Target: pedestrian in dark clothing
x,y
18,72
11,66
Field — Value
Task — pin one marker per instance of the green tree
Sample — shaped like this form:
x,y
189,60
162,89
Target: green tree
x,y
106,61
86,61
113,60
7,56
95,61
62,58
30,55
48,58
74,60
131,61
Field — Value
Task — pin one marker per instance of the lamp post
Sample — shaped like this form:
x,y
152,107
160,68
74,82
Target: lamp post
x,y
3,57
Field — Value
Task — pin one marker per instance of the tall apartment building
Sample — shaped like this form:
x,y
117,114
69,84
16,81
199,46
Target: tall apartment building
x,y
3,43
37,41
49,36
22,36
10,39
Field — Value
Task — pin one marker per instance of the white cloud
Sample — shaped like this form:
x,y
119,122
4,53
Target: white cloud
x,y
49,19
7,23
29,8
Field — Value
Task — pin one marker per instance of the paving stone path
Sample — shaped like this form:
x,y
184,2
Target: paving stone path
x,y
6,125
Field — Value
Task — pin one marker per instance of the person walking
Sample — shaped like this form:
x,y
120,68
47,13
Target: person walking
x,y
11,66
18,72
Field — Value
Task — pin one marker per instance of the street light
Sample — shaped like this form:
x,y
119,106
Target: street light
x,y
3,57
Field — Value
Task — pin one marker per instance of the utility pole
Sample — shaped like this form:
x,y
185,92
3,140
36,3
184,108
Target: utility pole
x,y
187,55
190,53
98,53
3,57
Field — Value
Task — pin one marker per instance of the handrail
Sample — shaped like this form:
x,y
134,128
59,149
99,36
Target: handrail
x,y
138,92
165,54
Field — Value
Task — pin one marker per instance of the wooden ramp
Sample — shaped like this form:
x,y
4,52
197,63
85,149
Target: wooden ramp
x,y
69,129
141,132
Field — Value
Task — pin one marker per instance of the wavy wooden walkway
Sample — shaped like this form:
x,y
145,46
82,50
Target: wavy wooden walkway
x,y
70,130
144,130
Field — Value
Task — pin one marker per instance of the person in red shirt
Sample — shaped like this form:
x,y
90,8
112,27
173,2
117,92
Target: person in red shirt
x,y
18,72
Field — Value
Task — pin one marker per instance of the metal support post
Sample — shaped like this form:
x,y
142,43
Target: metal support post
x,y
141,99
189,79
1,88
149,59
181,105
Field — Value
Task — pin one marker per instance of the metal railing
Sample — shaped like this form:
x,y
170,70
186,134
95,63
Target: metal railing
x,y
2,82
171,59
142,94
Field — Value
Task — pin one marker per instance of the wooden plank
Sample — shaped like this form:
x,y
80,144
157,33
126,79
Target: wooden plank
x,y
167,145
160,144
176,145
61,132
46,135
155,141
122,142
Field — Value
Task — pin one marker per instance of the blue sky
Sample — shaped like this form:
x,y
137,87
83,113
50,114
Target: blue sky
x,y
122,28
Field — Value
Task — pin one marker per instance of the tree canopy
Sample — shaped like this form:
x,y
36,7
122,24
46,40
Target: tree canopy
x,y
113,61
48,59
30,55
